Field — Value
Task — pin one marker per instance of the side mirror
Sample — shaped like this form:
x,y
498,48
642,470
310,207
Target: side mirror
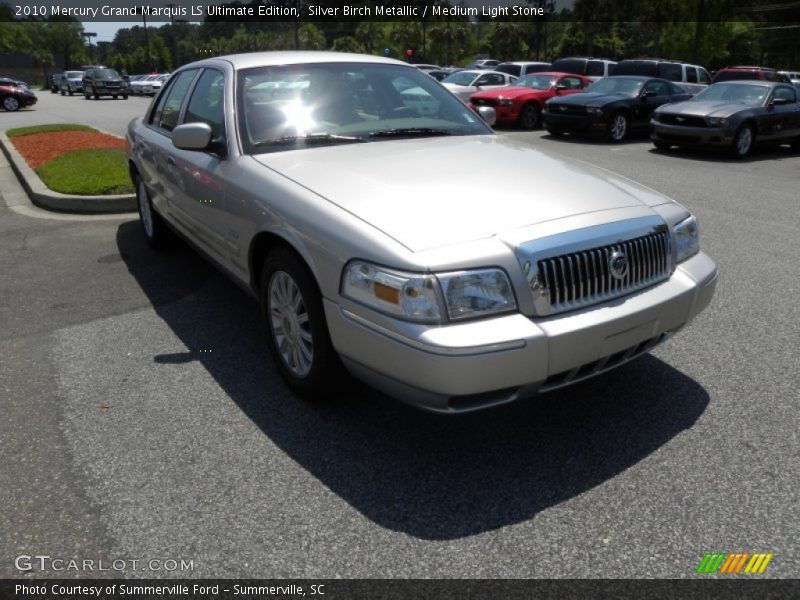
x,y
488,114
648,94
559,88
779,101
192,136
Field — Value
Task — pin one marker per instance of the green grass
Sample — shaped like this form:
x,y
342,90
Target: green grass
x,y
90,172
47,129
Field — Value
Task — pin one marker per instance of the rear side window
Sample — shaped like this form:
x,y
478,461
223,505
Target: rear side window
x,y
206,103
570,65
648,69
166,113
514,70
595,68
670,71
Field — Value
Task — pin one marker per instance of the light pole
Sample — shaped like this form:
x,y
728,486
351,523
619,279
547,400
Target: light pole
x,y
89,35
171,6
147,45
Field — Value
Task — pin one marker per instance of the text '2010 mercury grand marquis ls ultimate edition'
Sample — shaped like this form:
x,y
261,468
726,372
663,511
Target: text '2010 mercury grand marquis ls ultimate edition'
x,y
370,238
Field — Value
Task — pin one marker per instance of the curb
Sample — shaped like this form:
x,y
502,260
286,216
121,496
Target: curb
x,y
46,198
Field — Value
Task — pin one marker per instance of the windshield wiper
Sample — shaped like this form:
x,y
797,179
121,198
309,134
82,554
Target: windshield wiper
x,y
311,138
410,132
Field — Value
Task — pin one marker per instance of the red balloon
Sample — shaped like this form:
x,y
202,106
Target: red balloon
x,y
409,52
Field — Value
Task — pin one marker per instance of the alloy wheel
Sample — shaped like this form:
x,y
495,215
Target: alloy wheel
x,y
619,127
290,325
11,103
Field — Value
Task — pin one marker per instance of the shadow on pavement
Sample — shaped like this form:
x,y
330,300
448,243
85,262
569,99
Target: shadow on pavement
x,y
430,476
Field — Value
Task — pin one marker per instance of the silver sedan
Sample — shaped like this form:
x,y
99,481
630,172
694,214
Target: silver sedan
x,y
372,243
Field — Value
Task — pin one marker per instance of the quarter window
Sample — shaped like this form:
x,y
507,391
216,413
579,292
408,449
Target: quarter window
x,y
785,93
166,113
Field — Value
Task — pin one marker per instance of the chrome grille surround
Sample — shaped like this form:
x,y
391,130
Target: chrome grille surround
x,y
570,271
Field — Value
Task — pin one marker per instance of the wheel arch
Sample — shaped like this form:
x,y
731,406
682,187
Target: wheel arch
x,y
265,242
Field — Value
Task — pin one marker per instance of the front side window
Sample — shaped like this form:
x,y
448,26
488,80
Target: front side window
x,y
659,88
571,83
537,82
785,93
206,103
329,103
491,79
460,78
166,113
595,68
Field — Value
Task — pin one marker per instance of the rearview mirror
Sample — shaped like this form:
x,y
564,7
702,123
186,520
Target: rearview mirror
x,y
191,136
488,114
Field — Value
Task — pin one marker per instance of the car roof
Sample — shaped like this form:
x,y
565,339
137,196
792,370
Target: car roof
x,y
298,57
761,82
524,63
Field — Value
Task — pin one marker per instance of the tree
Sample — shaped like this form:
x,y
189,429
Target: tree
x,y
347,44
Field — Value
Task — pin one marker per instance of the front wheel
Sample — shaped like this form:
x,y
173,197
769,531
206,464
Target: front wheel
x,y
10,104
297,333
155,230
618,127
529,116
743,141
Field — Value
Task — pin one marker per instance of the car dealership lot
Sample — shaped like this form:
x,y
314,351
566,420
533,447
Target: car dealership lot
x,y
145,419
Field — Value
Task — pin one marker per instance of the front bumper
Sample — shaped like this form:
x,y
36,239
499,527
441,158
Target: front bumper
x,y
25,101
571,122
684,136
468,366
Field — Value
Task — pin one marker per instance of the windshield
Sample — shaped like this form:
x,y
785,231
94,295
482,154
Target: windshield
x,y
288,106
614,85
752,95
106,74
73,74
537,82
460,78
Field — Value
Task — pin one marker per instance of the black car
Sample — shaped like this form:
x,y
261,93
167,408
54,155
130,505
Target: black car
x,y
737,115
612,106
99,82
55,82
14,96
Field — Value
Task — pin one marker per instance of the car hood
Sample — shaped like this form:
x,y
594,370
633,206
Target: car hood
x,y
434,192
705,109
590,99
510,92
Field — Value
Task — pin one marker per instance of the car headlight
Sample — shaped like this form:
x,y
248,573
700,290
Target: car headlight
x,y
594,110
687,239
411,296
477,293
505,102
716,122
421,297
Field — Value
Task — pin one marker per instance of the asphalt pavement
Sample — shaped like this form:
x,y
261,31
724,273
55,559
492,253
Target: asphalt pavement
x,y
143,419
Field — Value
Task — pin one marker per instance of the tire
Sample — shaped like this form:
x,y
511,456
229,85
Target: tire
x,y
662,146
71,92
554,132
796,145
530,116
155,229
125,97
743,141
297,332
86,96
63,93
114,97
618,127
10,104
97,96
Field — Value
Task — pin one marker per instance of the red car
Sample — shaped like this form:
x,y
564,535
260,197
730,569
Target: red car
x,y
523,102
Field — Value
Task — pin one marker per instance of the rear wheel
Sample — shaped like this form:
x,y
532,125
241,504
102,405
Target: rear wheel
x,y
618,127
297,333
743,141
529,116
155,230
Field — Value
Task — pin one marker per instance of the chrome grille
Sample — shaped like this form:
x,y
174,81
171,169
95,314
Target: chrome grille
x,y
582,278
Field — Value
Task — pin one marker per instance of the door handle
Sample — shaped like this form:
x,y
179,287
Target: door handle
x,y
170,161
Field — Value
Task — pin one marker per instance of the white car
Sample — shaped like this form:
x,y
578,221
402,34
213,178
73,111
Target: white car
x,y
152,87
137,87
465,83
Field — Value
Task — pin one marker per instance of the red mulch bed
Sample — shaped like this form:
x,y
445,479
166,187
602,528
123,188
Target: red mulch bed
x,y
40,148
